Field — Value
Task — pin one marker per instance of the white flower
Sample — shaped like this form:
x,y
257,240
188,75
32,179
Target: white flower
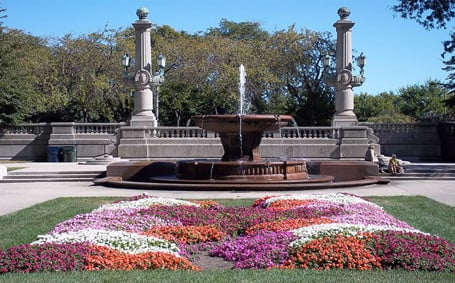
x,y
145,203
119,240
313,232
332,197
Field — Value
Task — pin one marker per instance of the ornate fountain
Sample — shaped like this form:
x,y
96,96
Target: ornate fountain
x,y
241,137
241,166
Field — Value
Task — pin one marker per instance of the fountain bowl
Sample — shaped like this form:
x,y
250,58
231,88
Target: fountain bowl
x,y
233,123
241,134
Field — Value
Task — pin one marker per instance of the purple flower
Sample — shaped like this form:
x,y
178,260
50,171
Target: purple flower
x,y
264,249
127,219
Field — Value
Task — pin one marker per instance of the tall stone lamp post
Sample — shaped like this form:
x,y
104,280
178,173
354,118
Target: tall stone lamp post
x,y
157,80
143,96
344,81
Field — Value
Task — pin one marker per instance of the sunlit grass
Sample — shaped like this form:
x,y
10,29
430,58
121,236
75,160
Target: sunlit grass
x,y
23,226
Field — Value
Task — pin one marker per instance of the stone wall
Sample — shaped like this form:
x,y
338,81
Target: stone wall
x,y
289,142
25,142
414,142
31,142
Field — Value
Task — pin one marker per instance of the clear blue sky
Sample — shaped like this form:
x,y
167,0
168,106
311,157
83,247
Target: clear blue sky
x,y
399,52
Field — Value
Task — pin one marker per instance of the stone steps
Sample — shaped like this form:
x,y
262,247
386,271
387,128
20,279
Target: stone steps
x,y
424,172
52,176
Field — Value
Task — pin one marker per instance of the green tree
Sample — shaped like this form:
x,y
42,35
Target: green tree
x,y
412,103
239,31
16,75
428,13
80,78
284,73
297,63
381,108
423,102
88,84
206,69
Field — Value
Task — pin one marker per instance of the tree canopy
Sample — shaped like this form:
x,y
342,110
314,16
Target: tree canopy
x,y
79,78
410,104
428,13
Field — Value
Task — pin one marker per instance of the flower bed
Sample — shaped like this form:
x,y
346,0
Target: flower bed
x,y
320,231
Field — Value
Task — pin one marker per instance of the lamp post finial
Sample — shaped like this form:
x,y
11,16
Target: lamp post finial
x,y
344,13
142,13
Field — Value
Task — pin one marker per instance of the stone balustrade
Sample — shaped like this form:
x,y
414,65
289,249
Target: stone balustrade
x,y
97,128
31,141
26,128
412,141
180,132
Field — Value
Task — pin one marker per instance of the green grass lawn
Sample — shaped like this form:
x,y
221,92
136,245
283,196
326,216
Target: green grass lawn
x,y
23,226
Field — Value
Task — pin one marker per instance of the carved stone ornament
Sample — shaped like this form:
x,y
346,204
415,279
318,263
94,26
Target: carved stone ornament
x,y
344,77
142,13
142,77
344,13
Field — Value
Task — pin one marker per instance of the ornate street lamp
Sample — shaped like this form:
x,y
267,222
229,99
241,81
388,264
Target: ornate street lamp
x,y
126,64
326,60
161,61
143,96
343,80
157,80
361,61
125,60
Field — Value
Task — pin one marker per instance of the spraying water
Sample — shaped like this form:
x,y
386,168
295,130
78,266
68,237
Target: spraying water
x,y
242,82
242,88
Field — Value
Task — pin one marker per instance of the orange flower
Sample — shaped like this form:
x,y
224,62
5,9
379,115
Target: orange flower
x,y
186,234
289,203
107,258
286,225
338,252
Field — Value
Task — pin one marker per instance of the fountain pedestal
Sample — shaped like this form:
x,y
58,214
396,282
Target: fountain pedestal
x,y
241,137
241,147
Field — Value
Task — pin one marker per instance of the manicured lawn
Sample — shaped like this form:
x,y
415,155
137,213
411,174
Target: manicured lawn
x,y
23,227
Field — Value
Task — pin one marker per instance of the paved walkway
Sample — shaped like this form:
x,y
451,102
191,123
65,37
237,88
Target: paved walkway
x,y
16,196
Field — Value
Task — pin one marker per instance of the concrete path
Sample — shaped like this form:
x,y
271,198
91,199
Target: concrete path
x,y
16,196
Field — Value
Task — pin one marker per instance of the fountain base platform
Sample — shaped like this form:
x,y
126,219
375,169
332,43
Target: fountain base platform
x,y
162,175
264,170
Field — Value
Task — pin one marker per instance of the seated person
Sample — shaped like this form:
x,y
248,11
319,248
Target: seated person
x,y
394,166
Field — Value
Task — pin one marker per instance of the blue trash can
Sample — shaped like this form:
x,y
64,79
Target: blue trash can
x,y
53,154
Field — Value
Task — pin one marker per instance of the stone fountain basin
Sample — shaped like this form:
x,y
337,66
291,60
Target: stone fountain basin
x,y
232,123
160,175
263,170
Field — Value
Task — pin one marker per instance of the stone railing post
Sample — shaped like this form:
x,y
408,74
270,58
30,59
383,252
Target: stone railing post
x,y
353,142
62,133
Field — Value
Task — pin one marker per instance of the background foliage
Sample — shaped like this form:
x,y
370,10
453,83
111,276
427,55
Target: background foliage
x,y
79,78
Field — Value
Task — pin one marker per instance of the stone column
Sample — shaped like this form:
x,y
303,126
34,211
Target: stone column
x,y
344,97
143,96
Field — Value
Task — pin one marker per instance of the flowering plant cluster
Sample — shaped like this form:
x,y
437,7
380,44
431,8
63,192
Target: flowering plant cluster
x,y
319,231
